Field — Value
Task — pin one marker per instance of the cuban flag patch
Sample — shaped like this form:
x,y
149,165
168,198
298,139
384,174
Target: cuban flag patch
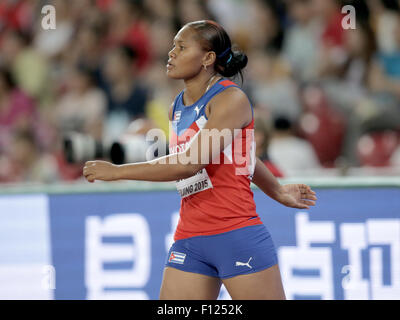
x,y
177,257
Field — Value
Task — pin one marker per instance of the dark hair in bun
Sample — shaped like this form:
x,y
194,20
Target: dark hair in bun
x,y
212,37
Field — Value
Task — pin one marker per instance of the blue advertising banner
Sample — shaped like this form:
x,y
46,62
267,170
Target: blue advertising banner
x,y
346,247
112,245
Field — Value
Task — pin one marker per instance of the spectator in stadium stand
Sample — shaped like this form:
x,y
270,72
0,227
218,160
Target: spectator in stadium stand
x,y
331,53
261,136
128,26
17,15
126,95
17,109
82,107
294,155
386,67
160,10
266,29
300,47
383,20
350,80
271,85
25,161
87,48
191,10
384,85
28,67
347,86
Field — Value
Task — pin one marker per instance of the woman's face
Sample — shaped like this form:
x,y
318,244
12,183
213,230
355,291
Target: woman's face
x,y
186,56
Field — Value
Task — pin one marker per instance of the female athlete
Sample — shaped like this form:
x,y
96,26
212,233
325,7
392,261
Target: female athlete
x,y
220,237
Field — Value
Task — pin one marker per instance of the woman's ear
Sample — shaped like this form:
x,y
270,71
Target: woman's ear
x,y
209,59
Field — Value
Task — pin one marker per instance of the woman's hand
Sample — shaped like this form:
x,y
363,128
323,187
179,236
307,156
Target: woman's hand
x,y
100,170
298,196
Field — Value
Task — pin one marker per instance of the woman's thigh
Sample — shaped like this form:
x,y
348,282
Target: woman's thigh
x,y
261,285
182,285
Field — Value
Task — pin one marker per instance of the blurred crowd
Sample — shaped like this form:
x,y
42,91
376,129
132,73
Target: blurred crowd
x,y
325,97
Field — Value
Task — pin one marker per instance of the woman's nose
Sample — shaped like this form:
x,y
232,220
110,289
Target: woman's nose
x,y
171,53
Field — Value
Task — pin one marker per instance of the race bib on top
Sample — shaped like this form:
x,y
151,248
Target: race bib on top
x,y
197,183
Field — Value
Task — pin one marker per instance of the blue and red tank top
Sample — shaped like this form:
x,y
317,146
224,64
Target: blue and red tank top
x,y
218,198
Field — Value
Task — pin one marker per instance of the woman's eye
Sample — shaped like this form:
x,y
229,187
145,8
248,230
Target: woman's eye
x,y
180,47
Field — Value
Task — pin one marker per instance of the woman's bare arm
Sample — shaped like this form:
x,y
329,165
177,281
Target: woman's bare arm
x,y
291,195
231,110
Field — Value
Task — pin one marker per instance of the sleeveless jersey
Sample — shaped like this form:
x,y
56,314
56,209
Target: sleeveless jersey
x,y
218,198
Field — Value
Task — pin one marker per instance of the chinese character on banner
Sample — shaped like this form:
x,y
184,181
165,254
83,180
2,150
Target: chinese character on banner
x,y
372,236
307,271
125,282
373,260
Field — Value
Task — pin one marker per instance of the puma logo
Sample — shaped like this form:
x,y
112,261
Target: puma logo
x,y
197,109
239,264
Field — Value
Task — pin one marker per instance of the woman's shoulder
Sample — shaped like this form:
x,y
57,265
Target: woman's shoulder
x,y
232,102
233,93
